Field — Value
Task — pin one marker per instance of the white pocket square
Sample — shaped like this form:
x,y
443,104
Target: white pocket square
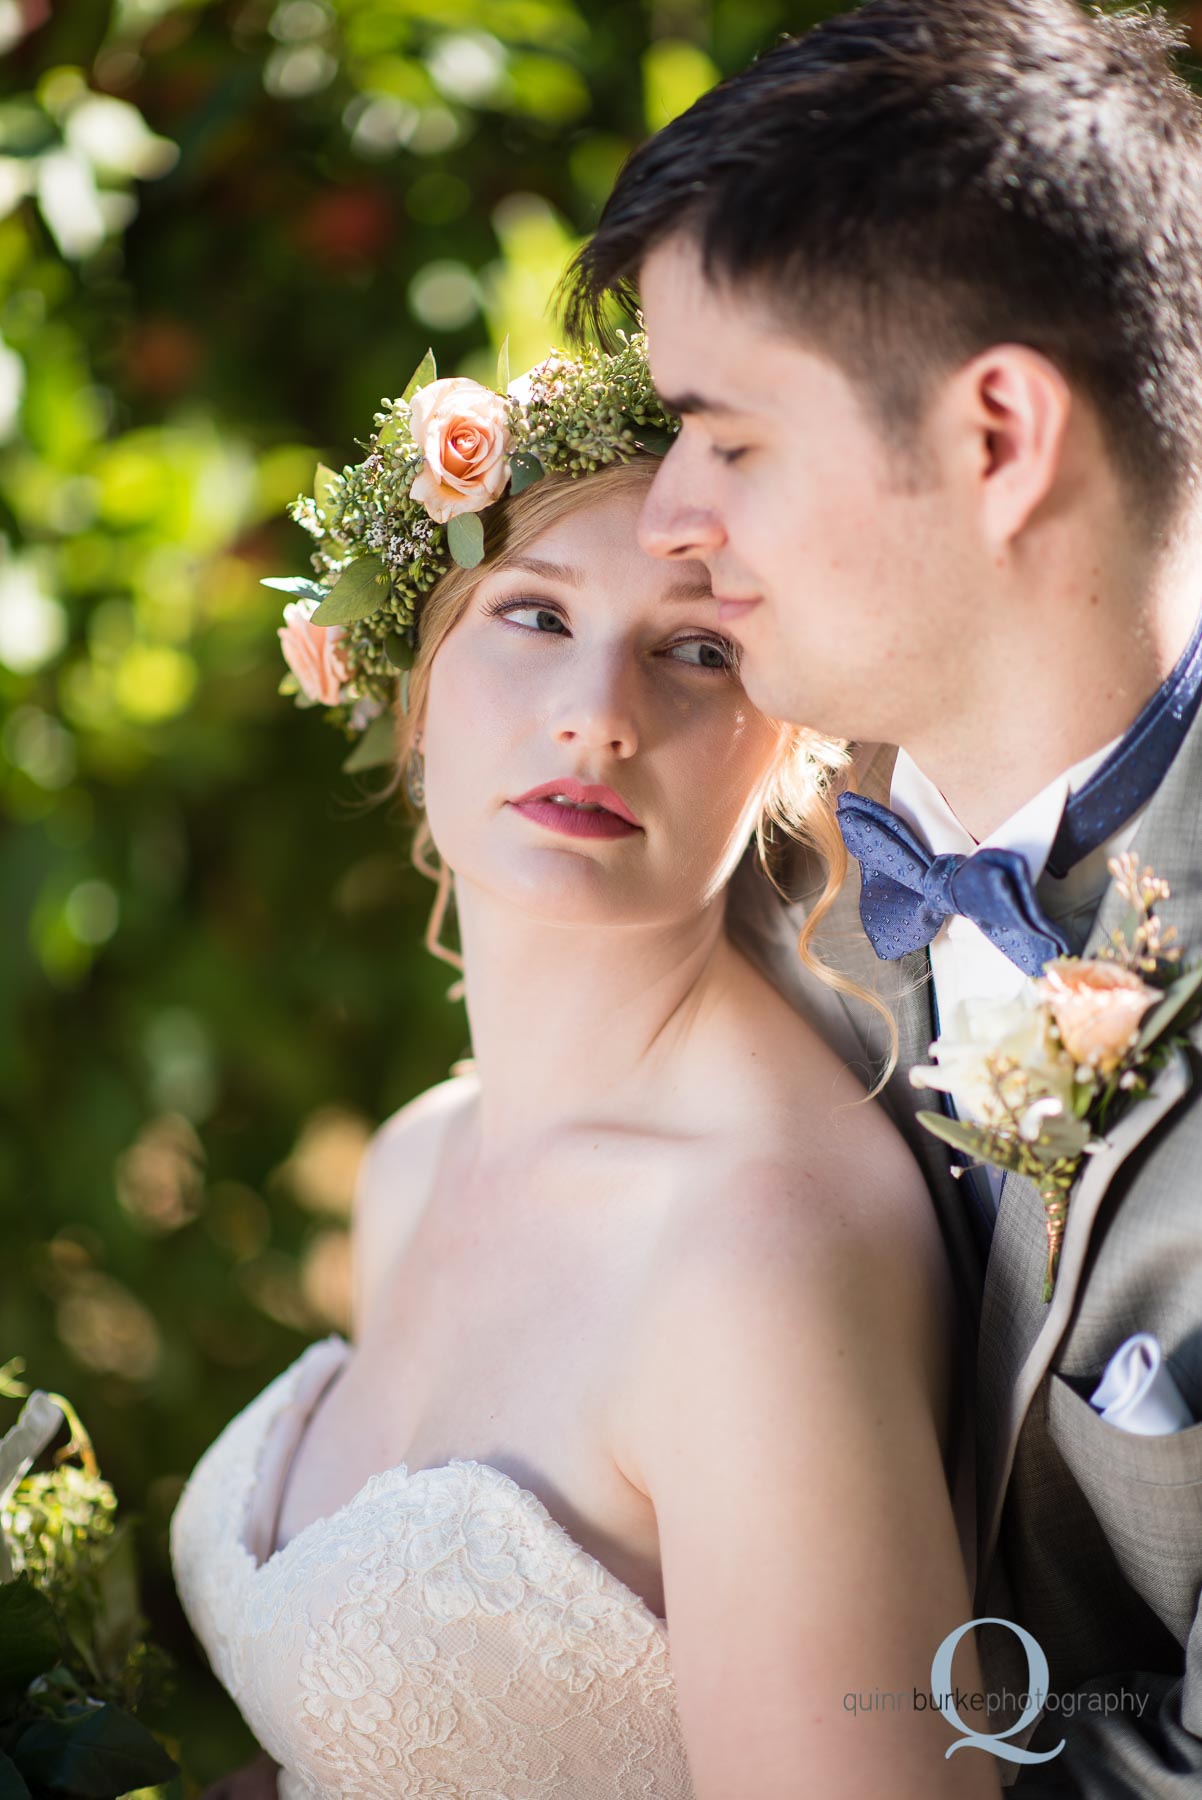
x,y
1137,1393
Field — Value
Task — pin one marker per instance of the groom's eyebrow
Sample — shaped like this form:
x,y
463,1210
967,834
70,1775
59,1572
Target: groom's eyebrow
x,y
695,403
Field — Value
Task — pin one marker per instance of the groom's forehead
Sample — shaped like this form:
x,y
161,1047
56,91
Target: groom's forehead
x,y
713,349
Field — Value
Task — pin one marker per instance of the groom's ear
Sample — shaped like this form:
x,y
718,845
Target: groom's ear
x,y
1008,410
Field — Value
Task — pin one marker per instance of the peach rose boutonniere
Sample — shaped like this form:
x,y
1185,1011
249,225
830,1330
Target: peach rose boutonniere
x,y
462,430
1038,1080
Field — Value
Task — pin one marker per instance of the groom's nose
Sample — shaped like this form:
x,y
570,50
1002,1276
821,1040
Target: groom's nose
x,y
672,524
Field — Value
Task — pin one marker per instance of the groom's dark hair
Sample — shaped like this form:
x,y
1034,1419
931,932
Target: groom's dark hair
x,y
915,180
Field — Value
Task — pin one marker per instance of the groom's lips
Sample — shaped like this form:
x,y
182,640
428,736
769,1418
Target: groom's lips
x,y
733,608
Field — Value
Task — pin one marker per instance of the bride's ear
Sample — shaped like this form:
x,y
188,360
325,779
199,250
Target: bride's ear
x,y
1011,407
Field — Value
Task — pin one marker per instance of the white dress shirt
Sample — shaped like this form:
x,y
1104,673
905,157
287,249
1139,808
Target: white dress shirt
x,y
964,964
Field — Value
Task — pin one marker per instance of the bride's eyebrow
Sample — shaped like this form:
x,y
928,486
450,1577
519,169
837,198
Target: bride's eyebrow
x,y
550,571
683,589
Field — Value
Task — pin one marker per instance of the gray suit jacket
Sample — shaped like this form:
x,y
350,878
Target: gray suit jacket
x,y
1088,1536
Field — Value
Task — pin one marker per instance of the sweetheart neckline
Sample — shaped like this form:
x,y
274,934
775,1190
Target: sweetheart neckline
x,y
380,1477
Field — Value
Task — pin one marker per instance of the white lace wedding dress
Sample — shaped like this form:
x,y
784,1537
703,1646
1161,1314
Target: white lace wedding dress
x,y
440,1634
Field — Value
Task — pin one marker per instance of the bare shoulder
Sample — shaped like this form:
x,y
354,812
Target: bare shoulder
x,y
394,1178
813,1236
802,1128
786,1428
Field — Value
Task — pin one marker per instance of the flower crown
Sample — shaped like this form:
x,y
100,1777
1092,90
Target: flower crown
x,y
388,527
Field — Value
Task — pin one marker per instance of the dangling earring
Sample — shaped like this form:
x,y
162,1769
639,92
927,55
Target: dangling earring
x,y
415,779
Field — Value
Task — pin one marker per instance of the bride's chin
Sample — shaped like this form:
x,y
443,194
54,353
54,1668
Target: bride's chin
x,y
570,891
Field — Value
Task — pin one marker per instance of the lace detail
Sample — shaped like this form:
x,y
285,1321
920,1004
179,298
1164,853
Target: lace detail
x,y
439,1635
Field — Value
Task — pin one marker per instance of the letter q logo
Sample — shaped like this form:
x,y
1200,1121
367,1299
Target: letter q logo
x,y
994,1741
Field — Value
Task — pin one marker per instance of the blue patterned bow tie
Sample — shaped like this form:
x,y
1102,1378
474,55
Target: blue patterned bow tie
x,y
906,893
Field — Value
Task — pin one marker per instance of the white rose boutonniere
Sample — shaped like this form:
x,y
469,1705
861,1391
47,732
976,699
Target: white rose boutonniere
x,y
1036,1080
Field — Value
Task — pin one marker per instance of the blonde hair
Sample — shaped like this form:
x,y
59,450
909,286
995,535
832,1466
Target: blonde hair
x,y
798,803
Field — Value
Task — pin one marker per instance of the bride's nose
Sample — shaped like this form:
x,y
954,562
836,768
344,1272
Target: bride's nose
x,y
598,712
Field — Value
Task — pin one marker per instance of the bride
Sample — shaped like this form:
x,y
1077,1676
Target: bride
x,y
652,1332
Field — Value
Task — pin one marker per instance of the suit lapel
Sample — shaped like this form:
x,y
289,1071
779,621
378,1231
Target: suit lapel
x,y
1019,1332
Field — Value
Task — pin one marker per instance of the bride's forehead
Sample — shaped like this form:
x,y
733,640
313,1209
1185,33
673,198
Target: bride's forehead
x,y
596,548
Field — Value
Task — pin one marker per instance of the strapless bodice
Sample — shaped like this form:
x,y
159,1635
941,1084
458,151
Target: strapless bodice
x,y
440,1634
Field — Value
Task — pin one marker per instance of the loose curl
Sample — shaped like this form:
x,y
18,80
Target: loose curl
x,y
798,804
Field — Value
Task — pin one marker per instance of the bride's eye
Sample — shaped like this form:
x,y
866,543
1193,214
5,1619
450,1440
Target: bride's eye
x,y
712,653
545,620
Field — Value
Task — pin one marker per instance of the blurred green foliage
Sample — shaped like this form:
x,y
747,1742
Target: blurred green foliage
x,y
228,228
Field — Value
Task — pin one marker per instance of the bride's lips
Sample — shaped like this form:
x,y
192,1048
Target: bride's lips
x,y
734,609
615,821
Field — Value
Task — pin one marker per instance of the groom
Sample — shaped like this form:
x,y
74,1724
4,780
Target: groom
x,y
925,286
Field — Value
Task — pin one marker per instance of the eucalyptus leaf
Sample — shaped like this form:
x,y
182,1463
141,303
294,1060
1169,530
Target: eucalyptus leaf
x,y
97,1754
1178,997
376,746
503,367
359,591
325,488
653,439
970,1139
30,1639
37,1422
524,470
398,650
390,431
300,585
12,1782
288,683
465,539
425,372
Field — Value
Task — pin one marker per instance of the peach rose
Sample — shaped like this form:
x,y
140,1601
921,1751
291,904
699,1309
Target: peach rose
x,y
313,652
462,430
1097,1007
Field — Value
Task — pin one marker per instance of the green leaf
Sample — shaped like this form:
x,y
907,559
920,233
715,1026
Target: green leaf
x,y
1178,997
98,1754
114,1618
398,650
325,486
12,1784
390,431
30,1640
465,539
300,585
288,683
503,367
425,372
359,591
971,1140
404,685
524,470
376,746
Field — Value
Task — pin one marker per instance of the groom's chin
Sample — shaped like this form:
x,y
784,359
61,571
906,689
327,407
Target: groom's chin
x,y
767,685
771,692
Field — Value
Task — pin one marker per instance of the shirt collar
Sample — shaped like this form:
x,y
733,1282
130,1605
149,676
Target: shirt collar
x,y
1030,831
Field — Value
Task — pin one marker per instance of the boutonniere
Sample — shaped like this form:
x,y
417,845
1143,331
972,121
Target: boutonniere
x,y
1038,1079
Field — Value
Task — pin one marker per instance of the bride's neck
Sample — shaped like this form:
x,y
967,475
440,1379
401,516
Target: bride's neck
x,y
574,1025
